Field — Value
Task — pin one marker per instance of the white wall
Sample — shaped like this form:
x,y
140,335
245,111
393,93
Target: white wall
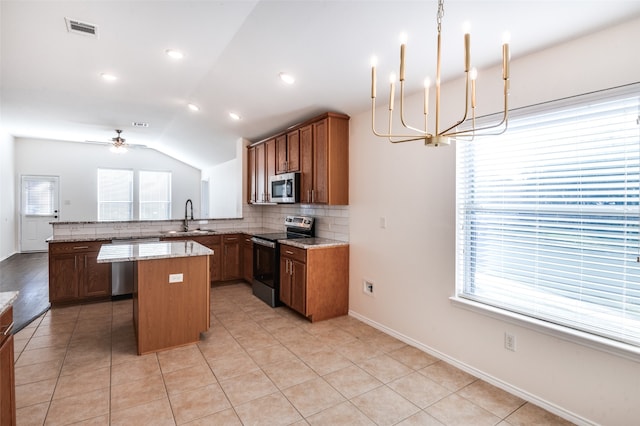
x,y
8,223
76,164
226,185
412,261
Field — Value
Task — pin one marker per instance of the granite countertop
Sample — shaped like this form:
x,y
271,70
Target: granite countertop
x,y
6,299
165,234
311,243
152,250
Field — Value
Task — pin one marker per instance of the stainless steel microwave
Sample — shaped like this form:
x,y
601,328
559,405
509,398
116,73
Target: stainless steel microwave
x,y
285,188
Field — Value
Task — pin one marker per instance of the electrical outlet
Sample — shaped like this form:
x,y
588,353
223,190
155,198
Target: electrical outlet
x,y
176,278
510,341
383,222
367,287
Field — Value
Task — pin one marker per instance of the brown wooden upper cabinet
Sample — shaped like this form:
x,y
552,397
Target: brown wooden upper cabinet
x,y
288,152
317,148
261,165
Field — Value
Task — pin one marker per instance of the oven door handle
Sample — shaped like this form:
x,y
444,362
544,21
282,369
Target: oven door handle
x,y
263,242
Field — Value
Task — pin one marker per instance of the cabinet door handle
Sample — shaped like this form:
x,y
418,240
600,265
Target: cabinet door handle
x,y
81,247
288,252
8,329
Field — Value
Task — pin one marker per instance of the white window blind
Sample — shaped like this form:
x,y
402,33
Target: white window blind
x,y
39,195
548,215
155,195
115,194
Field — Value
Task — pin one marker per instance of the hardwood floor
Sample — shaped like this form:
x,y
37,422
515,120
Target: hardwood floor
x,y
27,273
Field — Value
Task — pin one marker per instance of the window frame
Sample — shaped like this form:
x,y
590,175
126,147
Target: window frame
x,y
140,194
562,331
131,191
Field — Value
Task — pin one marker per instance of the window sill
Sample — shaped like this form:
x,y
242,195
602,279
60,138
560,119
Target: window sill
x,y
575,336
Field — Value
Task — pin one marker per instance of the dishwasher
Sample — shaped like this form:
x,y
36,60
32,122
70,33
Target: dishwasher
x,y
122,272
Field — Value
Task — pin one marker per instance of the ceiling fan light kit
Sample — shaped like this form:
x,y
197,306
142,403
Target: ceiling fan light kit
x,y
118,146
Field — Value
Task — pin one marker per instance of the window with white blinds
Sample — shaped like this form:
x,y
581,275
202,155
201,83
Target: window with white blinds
x,y
115,194
549,215
155,195
40,195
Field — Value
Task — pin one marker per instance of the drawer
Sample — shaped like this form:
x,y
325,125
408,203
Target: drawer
x,y
294,253
231,238
208,241
76,247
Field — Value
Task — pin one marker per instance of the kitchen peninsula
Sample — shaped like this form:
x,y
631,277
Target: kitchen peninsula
x,y
170,293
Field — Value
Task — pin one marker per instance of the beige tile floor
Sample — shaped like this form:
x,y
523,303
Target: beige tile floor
x,y
255,366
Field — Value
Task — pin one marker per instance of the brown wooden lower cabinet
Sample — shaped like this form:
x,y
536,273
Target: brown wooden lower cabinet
x,y
74,274
231,257
315,282
7,372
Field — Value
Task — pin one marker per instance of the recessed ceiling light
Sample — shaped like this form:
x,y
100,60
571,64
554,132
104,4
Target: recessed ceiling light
x,y
175,54
234,116
108,77
287,78
193,107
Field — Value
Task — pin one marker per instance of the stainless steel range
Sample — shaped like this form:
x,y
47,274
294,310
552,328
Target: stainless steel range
x,y
266,257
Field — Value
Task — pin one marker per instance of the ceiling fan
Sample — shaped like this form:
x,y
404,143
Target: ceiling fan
x,y
118,146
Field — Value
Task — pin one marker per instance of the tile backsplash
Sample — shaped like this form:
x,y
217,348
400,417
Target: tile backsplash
x,y
331,222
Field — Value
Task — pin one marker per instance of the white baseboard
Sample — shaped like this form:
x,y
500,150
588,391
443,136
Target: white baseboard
x,y
567,415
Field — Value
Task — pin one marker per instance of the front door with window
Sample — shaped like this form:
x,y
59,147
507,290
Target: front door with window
x,y
38,208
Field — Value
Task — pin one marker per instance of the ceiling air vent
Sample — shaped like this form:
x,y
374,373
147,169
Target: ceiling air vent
x,y
82,28
139,124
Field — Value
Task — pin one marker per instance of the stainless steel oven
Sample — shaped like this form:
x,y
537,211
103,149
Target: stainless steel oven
x,y
266,257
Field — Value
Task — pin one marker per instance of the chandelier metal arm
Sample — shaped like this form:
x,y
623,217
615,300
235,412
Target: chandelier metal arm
x,y
466,108
421,136
504,122
402,119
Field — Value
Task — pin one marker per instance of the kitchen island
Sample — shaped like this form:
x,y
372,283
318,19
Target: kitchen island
x,y
170,293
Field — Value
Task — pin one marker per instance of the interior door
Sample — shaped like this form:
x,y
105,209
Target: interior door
x,y
39,207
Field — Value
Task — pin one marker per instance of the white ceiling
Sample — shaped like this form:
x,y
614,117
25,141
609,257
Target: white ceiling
x,y
234,50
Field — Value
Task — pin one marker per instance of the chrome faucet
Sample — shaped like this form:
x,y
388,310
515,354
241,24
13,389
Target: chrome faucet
x,y
185,226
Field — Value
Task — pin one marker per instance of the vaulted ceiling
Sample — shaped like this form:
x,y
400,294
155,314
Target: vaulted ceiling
x,y
234,51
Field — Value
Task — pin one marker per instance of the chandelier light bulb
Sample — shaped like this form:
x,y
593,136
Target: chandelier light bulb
x,y
403,38
466,27
234,116
193,107
374,61
473,74
506,37
427,83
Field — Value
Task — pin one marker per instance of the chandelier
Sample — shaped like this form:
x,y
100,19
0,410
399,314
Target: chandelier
x,y
118,145
441,137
